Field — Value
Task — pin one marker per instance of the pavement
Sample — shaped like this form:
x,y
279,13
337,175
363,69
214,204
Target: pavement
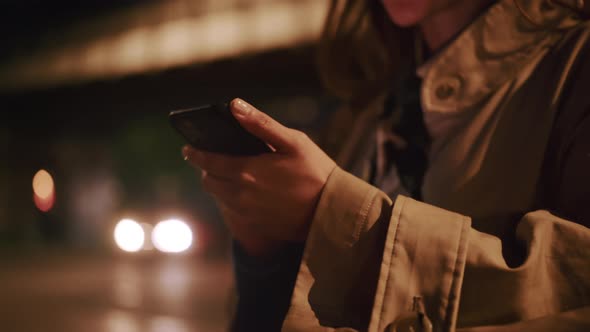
x,y
126,293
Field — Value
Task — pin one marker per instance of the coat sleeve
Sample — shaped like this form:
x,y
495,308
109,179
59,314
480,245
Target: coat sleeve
x,y
263,288
368,258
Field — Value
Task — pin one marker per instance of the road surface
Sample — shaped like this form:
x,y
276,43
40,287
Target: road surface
x,y
58,292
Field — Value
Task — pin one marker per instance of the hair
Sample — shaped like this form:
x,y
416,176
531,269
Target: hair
x,y
360,50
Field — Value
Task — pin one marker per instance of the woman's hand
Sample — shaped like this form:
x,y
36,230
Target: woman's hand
x,y
269,199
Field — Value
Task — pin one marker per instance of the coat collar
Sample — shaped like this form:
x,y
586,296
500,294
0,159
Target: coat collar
x,y
490,52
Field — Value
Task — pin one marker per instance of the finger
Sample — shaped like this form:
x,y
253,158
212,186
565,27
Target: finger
x,y
216,186
262,125
221,165
224,190
248,232
237,222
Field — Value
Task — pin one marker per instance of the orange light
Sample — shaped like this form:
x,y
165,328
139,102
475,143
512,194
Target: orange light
x,y
44,204
43,191
43,184
163,41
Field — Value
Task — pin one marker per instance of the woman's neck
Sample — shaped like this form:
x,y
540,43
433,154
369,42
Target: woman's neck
x,y
441,26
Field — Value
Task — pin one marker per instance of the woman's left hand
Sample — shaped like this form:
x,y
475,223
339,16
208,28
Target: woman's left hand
x,y
273,195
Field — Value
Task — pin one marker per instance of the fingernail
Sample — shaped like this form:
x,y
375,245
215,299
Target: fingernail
x,y
241,107
185,153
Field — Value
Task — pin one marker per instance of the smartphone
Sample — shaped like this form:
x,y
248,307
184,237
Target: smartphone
x,y
213,128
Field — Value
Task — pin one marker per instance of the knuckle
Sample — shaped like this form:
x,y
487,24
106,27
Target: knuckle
x,y
262,119
303,136
300,138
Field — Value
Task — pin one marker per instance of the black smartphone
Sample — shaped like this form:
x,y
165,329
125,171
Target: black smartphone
x,y
213,128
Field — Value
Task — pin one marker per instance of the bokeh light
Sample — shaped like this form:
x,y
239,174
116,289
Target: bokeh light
x,y
43,190
172,236
129,235
43,184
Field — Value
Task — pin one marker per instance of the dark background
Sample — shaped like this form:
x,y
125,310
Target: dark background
x,y
108,145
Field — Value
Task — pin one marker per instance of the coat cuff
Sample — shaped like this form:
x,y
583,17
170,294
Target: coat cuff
x,y
365,260
424,257
337,278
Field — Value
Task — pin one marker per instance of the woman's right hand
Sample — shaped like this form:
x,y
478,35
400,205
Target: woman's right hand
x,y
252,242
267,200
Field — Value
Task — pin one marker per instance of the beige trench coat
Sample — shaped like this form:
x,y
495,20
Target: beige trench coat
x,y
489,102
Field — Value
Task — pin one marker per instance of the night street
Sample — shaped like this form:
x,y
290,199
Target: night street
x,y
67,293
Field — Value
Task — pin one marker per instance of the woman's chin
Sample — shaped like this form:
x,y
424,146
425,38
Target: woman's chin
x,y
404,20
406,13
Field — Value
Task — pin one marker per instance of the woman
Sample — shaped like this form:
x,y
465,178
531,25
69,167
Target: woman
x,y
486,126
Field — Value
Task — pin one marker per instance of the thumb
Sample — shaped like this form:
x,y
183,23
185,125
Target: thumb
x,y
262,125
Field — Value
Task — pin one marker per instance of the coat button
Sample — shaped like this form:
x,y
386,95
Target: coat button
x,y
447,88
